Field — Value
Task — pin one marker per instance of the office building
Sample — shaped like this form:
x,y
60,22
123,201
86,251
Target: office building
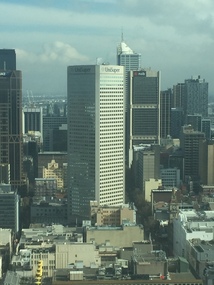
x,y
190,145
128,58
170,177
177,121
32,119
50,124
112,215
146,164
178,98
144,109
44,158
206,158
7,59
190,225
5,173
11,123
195,121
196,96
131,61
9,205
95,137
61,132
206,127
165,113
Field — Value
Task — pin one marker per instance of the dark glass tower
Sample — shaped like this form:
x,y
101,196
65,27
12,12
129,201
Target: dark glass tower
x,y
165,112
144,109
7,59
11,118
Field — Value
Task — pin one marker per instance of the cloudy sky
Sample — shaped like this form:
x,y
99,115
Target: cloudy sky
x,y
173,36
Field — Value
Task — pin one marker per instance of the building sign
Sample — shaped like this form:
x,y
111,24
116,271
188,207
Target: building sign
x,y
140,73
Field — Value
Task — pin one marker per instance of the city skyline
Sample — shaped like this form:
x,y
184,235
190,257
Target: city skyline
x,y
173,37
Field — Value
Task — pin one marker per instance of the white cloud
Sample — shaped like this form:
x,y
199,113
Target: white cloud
x,y
170,35
55,52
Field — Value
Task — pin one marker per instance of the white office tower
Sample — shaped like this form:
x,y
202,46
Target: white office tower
x,y
131,61
96,143
127,57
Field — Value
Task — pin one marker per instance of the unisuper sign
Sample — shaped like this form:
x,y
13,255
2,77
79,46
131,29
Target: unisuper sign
x,y
85,69
110,69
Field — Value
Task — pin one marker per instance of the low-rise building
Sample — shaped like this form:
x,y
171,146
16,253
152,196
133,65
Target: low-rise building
x,y
191,224
122,236
111,215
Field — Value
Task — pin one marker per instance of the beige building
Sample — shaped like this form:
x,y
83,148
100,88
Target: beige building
x,y
111,215
53,171
122,236
82,254
150,185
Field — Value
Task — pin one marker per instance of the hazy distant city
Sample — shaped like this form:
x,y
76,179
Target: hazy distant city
x,y
107,161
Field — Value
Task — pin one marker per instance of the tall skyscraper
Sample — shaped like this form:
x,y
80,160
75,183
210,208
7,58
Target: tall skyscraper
x,y
7,59
95,137
196,96
190,140
11,123
127,57
165,112
177,121
131,61
178,95
144,109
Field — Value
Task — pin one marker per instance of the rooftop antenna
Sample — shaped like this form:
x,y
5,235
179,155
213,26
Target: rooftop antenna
x,y
122,39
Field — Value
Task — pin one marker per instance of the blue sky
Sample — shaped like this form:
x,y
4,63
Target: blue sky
x,y
175,37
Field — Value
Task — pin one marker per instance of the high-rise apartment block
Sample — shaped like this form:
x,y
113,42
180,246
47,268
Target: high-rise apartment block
x,y
144,109
95,137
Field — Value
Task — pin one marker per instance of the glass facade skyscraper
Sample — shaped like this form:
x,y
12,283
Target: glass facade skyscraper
x,y
144,109
7,59
95,137
11,147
